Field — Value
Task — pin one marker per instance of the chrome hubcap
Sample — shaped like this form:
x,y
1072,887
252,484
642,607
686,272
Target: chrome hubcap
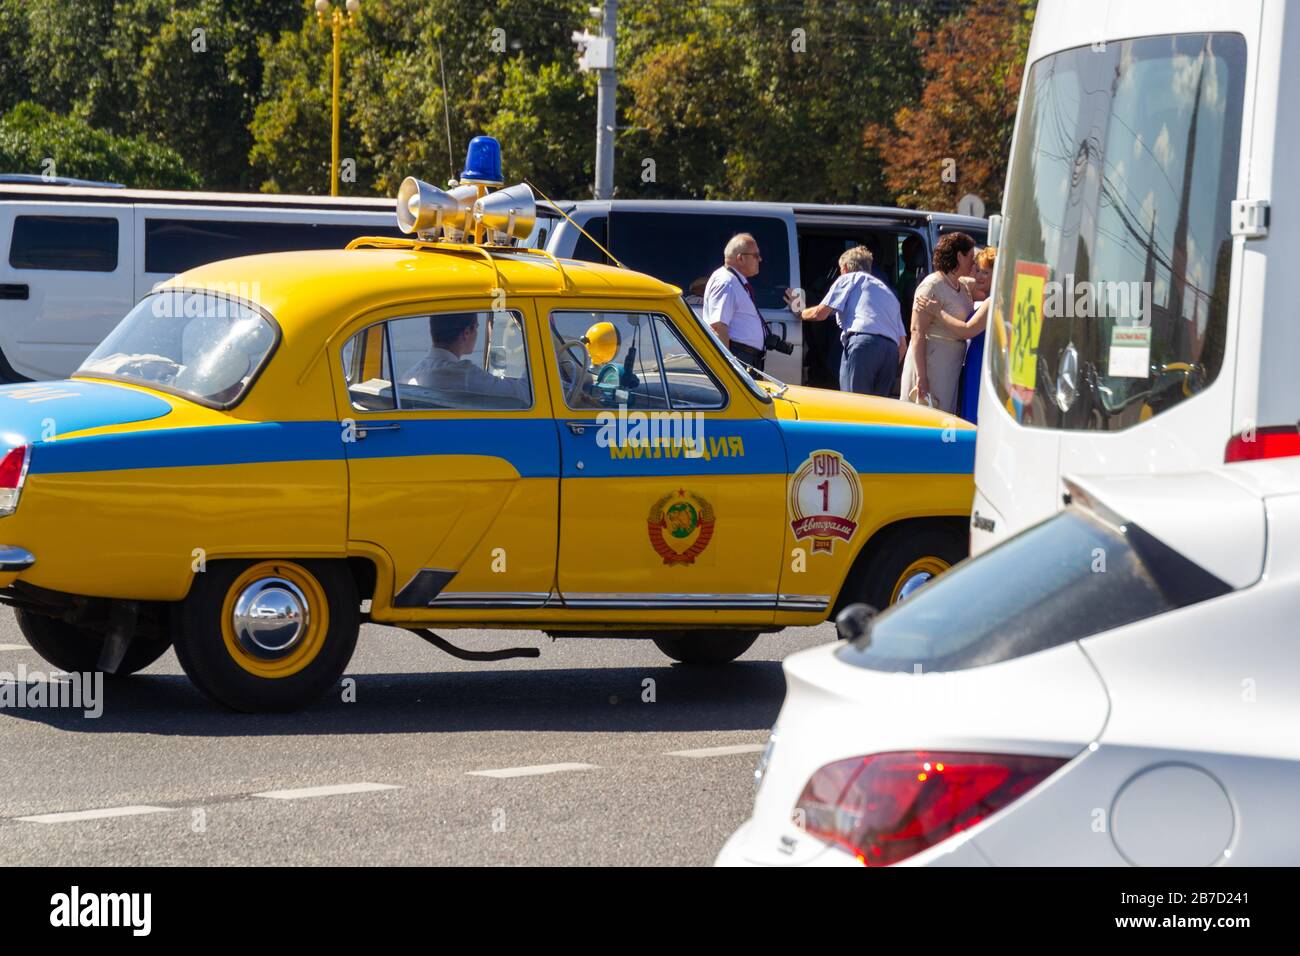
x,y
912,583
270,617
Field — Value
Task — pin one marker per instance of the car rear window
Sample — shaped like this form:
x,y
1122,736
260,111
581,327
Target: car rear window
x,y
1112,291
64,243
1063,580
199,344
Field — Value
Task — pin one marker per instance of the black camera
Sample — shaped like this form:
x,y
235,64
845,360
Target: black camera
x,y
776,343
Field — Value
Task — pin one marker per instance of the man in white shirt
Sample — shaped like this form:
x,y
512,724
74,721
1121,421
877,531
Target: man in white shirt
x,y
729,304
458,381
871,326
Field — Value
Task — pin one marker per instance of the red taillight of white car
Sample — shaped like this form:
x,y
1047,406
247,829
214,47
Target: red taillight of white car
x,y
1280,441
13,472
887,807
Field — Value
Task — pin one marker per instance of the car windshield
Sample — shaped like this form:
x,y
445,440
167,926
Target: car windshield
x,y
202,345
731,359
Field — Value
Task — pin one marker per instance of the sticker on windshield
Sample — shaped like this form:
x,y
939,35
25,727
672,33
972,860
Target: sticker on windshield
x,y
1130,352
1027,293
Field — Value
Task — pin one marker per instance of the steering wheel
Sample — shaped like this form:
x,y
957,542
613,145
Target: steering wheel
x,y
575,383
155,368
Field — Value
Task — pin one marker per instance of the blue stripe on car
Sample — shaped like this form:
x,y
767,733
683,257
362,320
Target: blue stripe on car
x,y
530,445
885,449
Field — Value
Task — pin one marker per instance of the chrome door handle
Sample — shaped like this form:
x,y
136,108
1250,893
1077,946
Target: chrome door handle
x,y
362,429
580,428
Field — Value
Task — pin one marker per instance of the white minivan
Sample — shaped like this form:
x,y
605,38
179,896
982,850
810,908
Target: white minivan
x,y
75,259
1145,317
681,241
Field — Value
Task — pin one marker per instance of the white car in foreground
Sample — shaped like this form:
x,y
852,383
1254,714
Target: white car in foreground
x,y
1117,685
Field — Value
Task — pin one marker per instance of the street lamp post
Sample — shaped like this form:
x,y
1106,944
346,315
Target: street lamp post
x,y
337,20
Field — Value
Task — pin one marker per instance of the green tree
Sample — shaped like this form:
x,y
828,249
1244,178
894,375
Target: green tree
x,y
768,100
957,138
14,87
31,136
557,156
186,75
393,121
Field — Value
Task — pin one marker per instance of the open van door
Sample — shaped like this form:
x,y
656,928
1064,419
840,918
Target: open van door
x,y
1117,303
62,268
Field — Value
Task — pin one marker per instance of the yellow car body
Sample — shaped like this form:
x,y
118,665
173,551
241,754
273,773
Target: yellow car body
x,y
521,517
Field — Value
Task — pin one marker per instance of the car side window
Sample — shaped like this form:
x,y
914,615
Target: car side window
x,y
64,243
367,371
633,359
450,360
689,383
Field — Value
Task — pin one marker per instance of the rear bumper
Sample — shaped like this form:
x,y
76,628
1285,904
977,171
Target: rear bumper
x,y
13,562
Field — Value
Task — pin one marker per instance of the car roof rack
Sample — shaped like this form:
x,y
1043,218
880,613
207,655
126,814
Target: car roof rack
x,y
458,248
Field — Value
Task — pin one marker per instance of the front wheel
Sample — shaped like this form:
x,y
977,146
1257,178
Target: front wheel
x,y
909,557
268,635
705,647
77,649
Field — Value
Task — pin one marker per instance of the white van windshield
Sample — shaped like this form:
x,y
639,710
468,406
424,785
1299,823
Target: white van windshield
x,y
1112,284
199,344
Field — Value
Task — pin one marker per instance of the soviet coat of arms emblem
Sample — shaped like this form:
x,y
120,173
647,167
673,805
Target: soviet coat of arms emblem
x,y
680,525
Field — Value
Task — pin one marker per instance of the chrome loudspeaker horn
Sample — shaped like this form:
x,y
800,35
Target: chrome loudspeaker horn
x,y
423,208
456,224
508,214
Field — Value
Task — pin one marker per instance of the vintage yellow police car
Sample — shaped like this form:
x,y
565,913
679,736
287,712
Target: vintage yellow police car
x,y
452,432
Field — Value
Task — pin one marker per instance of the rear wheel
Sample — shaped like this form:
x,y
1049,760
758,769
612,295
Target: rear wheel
x,y
73,648
908,557
268,635
705,647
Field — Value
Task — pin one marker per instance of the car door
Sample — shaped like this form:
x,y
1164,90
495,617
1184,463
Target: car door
x,y
65,282
672,475
453,477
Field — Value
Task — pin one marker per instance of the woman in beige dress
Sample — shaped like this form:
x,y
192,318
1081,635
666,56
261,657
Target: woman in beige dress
x,y
932,369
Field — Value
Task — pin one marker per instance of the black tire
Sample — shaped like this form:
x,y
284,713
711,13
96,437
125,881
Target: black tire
x,y
705,647
876,579
220,670
77,649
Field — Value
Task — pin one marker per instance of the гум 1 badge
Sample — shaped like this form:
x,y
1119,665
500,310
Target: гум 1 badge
x,y
825,500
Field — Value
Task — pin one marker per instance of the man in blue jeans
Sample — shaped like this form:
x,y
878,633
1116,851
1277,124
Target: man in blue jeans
x,y
871,326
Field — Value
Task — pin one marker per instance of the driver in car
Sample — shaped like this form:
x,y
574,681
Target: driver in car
x,y
447,372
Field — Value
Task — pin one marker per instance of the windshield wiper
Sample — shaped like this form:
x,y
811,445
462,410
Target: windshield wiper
x,y
782,386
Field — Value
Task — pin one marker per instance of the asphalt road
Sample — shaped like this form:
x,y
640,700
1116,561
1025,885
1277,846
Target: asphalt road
x,y
401,765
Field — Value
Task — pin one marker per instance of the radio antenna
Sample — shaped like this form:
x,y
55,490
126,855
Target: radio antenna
x,y
556,207
446,113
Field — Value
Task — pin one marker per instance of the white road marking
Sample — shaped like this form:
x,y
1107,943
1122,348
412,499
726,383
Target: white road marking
x,y
534,770
39,677
73,816
15,647
307,792
719,751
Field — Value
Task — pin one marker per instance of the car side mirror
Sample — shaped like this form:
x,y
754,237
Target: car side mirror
x,y
854,621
